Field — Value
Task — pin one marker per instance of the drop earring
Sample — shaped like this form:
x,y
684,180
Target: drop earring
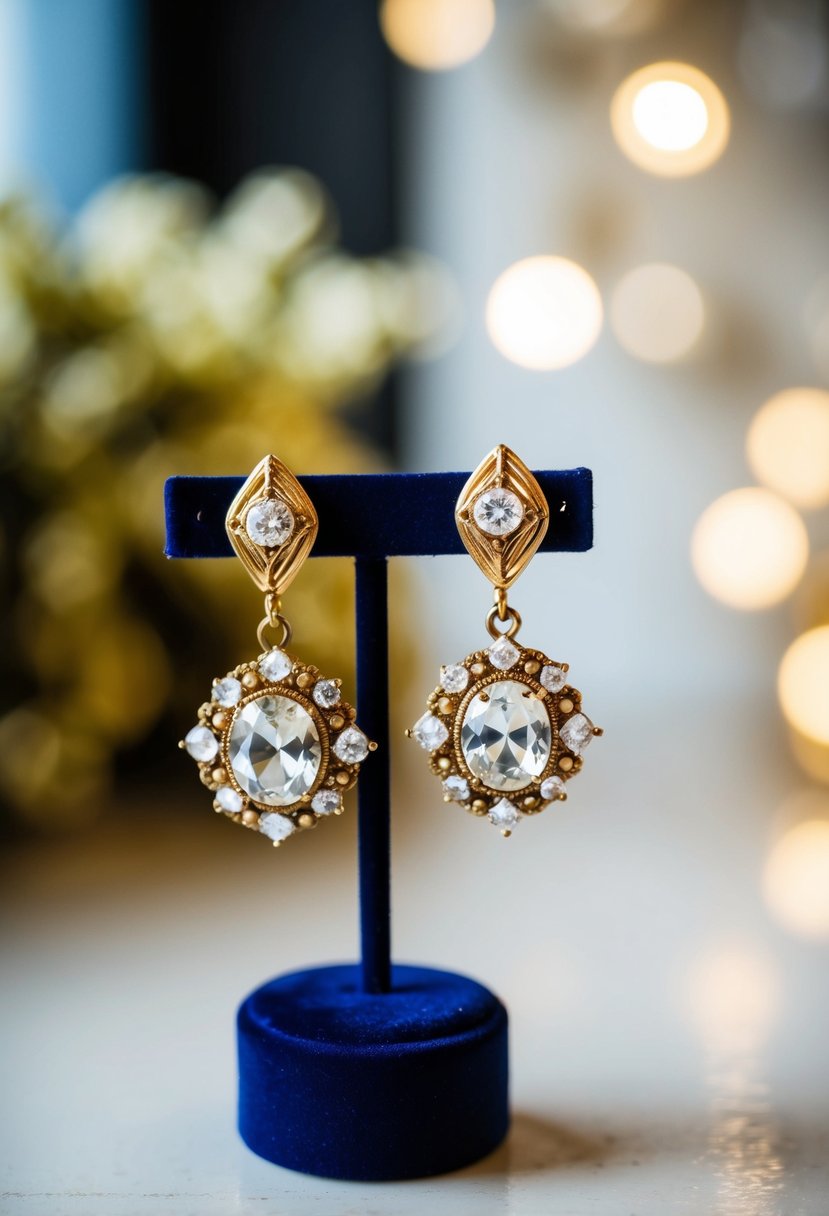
x,y
276,743
504,729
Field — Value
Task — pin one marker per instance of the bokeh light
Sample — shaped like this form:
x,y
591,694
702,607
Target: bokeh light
x,y
657,313
733,994
796,875
620,18
544,313
434,35
670,119
803,684
749,549
788,445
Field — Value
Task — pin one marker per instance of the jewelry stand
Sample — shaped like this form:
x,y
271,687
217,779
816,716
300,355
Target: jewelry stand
x,y
372,1072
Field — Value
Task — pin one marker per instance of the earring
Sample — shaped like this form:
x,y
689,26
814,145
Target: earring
x,y
276,743
504,730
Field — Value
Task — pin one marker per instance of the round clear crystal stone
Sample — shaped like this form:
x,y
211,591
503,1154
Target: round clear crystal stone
x,y
269,522
552,787
577,733
275,665
274,750
326,802
326,694
351,746
227,691
201,743
277,827
553,678
430,732
505,816
456,788
453,677
506,736
229,799
503,655
498,512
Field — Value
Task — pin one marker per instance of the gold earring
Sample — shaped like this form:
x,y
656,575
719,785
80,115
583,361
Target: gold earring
x,y
503,729
276,743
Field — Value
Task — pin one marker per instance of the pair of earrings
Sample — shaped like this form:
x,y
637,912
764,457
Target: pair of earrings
x,y
277,744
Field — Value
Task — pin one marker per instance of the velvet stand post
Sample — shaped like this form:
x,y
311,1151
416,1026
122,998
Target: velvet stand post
x,y
370,1071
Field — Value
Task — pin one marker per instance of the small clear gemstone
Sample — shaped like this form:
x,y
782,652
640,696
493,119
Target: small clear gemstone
x,y
269,523
326,802
351,746
498,512
274,750
326,694
457,788
277,827
576,733
503,655
453,677
275,665
430,732
506,736
201,743
553,678
227,692
229,799
552,787
504,815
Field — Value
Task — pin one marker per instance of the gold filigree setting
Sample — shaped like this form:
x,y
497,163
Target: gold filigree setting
x,y
449,762
334,775
273,567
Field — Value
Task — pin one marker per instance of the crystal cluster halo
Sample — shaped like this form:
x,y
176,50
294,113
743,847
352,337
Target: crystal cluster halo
x,y
504,731
277,745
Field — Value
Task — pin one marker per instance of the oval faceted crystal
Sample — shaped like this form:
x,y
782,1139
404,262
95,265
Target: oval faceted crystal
x,y
274,750
506,738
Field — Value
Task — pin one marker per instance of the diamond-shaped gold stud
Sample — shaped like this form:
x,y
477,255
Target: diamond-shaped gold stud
x,y
272,525
502,516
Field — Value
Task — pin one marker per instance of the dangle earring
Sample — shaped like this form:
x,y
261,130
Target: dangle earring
x,y
503,729
275,743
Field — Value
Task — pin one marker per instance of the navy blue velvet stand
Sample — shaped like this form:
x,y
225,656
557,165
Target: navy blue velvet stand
x,y
373,1072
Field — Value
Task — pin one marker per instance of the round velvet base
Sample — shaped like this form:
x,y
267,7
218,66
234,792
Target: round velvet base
x,y
346,1084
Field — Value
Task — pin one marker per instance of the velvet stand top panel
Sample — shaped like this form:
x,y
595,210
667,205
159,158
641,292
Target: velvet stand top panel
x,y
374,515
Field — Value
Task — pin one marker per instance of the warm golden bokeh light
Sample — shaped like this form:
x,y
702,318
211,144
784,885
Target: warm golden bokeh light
x,y
733,993
749,549
670,119
803,684
788,446
657,313
796,877
544,313
434,35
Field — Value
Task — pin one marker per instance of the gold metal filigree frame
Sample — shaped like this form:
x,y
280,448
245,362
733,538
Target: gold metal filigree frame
x,y
272,569
502,558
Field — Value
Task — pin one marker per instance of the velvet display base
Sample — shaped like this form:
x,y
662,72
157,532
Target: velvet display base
x,y
346,1084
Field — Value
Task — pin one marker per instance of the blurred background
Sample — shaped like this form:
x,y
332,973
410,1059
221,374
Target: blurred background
x,y
391,236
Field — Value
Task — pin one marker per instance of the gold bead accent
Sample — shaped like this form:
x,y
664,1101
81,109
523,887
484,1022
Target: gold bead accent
x,y
219,775
445,705
306,820
477,669
342,778
478,806
530,802
444,763
304,679
250,817
336,721
220,721
531,666
565,763
250,680
566,705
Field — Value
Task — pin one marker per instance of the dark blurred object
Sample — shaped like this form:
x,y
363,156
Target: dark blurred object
x,y
151,339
